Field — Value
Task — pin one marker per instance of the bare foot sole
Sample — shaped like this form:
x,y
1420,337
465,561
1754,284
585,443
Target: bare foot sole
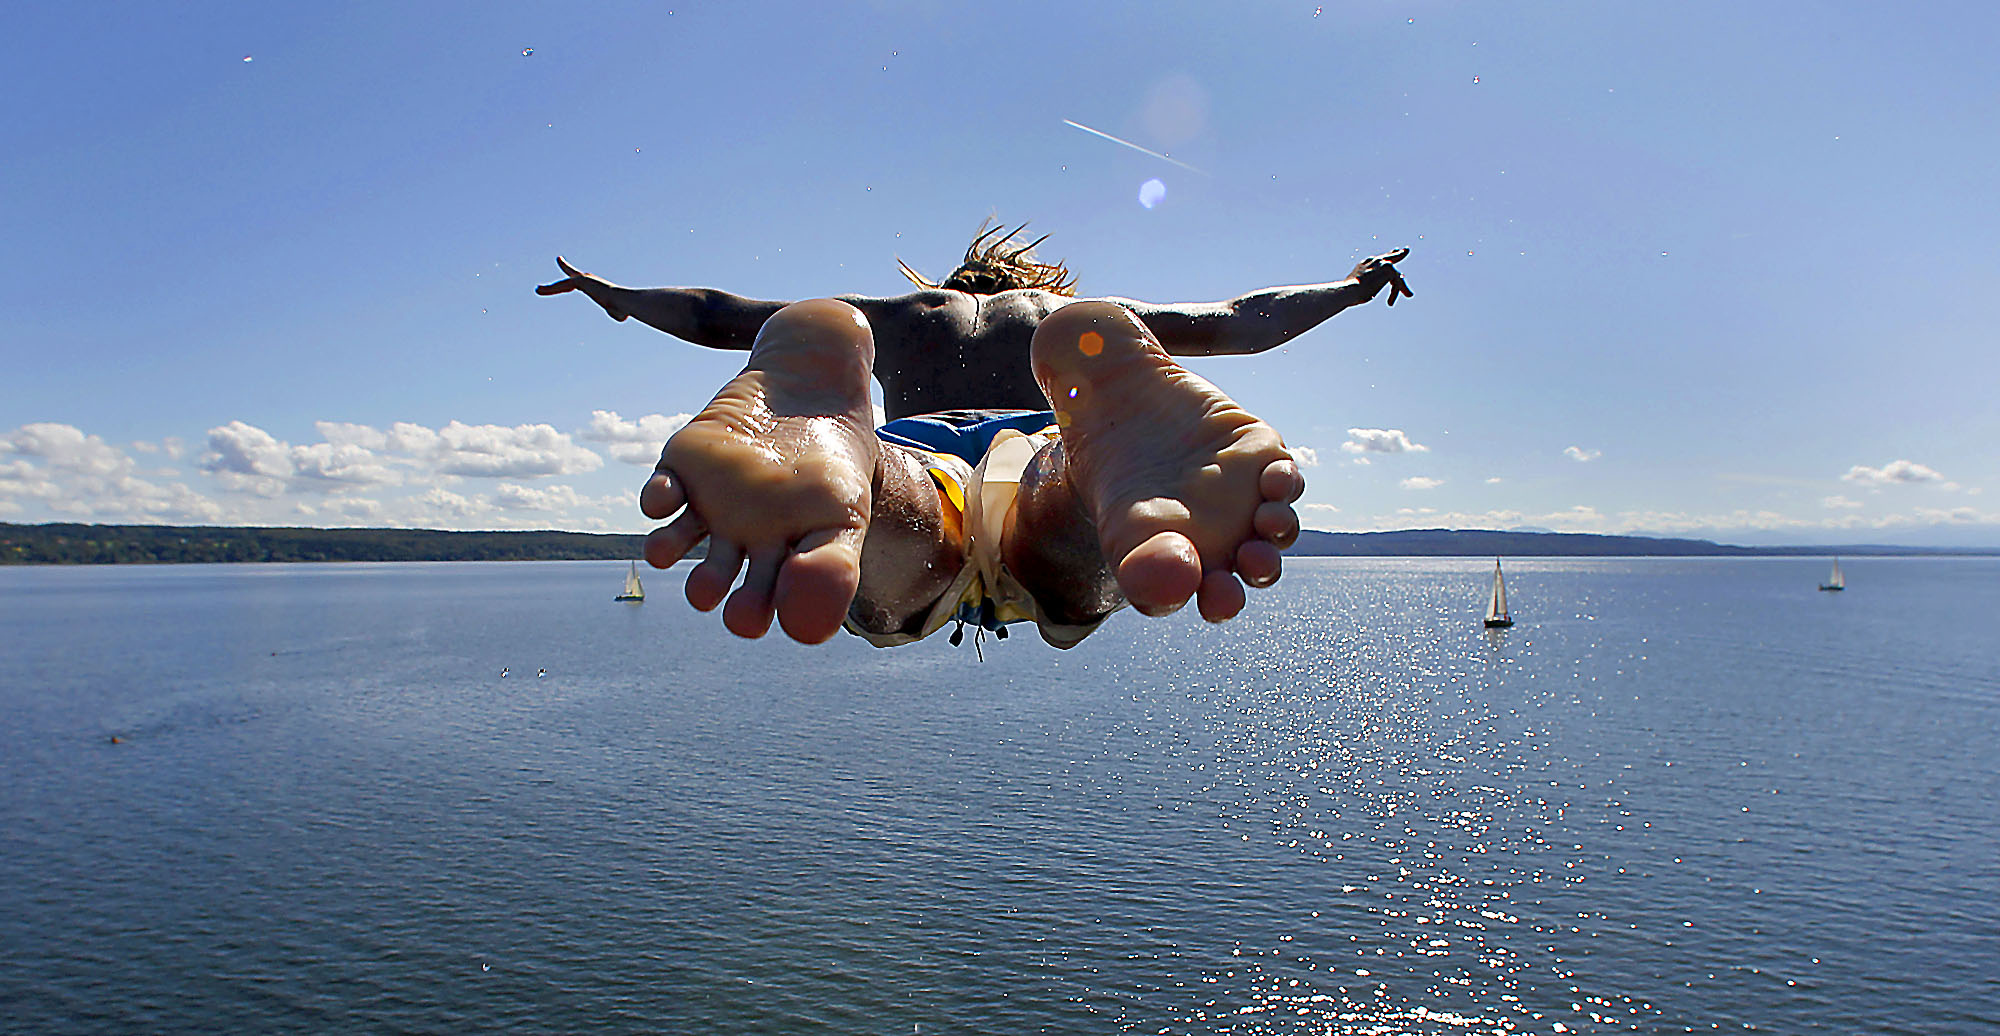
x,y
1191,494
777,472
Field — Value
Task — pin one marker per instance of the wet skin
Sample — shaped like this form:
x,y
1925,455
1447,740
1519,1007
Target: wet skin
x,y
1161,488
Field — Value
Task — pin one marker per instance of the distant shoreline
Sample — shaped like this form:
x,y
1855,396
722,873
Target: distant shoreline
x,y
78,544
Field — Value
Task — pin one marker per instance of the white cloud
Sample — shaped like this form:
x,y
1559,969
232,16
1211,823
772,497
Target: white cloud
x,y
634,442
237,448
342,462
444,502
496,451
551,498
1841,502
341,433
66,448
1581,455
1904,472
357,508
1380,440
1494,481
1305,456
1421,482
1317,508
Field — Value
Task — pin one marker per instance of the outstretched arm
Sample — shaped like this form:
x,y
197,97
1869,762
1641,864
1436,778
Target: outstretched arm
x,y
1270,317
703,316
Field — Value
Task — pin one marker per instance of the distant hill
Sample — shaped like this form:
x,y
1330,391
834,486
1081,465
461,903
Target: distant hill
x,y
72,544
64,544
1494,543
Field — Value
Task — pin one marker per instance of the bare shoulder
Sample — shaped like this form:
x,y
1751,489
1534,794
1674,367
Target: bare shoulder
x,y
904,320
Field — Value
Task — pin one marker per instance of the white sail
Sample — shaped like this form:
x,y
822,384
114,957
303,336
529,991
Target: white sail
x,y
1837,580
1496,609
633,591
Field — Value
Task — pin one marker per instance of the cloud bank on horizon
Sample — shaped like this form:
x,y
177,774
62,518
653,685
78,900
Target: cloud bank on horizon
x,y
469,477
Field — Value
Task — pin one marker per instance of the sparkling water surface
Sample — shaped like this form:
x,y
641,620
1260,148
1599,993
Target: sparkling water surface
x,y
1679,795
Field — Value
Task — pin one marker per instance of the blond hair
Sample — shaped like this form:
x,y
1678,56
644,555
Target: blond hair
x,y
996,264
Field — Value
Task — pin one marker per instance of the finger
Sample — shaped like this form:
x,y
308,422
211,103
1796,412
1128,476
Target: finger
x,y
1397,286
661,496
1220,596
1259,563
711,579
1276,523
749,611
671,542
1397,256
567,269
555,289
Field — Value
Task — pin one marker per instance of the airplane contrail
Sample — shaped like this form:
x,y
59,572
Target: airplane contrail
x,y
1135,147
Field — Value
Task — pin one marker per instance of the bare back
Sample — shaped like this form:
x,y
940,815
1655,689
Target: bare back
x,y
949,350
940,349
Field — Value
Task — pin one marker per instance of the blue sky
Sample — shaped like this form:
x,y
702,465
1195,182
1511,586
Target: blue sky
x,y
1707,269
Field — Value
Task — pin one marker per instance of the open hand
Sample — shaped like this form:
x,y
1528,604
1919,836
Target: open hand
x,y
598,289
1378,270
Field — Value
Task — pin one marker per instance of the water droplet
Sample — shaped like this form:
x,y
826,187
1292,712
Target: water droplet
x,y
1413,21
1317,10
527,52
1475,79
1468,251
246,57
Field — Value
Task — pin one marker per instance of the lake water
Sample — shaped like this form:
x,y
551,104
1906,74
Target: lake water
x,y
1680,795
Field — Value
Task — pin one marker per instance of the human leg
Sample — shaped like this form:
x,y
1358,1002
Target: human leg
x,y
1161,488
782,470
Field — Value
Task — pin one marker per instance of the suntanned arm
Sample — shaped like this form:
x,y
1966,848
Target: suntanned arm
x,y
1267,318
704,316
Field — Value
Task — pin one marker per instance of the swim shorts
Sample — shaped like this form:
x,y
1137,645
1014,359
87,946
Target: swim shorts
x,y
976,458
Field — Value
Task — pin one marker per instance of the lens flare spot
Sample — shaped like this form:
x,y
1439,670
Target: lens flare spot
x,y
1152,192
1090,344
527,52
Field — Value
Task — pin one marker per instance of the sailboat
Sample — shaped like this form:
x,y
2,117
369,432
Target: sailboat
x,y
1496,609
633,591
1836,581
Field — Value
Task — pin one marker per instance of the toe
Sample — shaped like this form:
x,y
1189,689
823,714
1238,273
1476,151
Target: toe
x,y
671,542
661,496
1281,481
1220,596
816,585
1259,563
748,613
1276,523
710,580
1159,575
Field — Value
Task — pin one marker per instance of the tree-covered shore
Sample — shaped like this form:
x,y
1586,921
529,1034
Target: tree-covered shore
x,y
76,544
68,544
